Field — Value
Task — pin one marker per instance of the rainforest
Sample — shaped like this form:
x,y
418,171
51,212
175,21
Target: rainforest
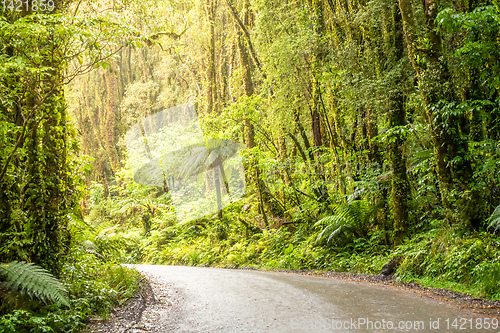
x,y
318,135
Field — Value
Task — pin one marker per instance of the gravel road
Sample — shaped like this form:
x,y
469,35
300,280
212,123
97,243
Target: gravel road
x,y
197,299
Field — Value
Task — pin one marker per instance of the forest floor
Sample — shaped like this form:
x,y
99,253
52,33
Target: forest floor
x,y
158,305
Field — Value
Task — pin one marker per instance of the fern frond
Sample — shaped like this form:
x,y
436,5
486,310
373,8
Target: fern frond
x,y
108,242
89,245
357,194
341,219
350,219
494,219
97,254
33,281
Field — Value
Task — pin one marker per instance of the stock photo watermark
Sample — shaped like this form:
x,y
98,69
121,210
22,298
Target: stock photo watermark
x,y
169,149
365,323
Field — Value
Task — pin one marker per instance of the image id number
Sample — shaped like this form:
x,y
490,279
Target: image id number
x,y
28,5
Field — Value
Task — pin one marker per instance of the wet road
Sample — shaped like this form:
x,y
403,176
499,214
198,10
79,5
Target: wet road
x,y
222,300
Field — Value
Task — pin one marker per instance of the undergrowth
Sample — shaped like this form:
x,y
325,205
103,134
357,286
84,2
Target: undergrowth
x,y
440,259
94,288
349,236
436,258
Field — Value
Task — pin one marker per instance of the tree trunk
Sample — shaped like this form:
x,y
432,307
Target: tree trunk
x,y
451,151
111,111
211,92
316,64
400,183
216,167
249,91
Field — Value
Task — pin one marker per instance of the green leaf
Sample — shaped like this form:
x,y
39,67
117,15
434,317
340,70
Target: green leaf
x,y
33,281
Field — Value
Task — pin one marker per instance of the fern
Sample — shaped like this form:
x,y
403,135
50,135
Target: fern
x,y
349,219
33,281
494,219
97,254
108,242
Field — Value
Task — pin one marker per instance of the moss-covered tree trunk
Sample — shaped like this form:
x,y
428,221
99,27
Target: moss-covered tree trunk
x,y
462,204
45,192
317,57
400,183
248,86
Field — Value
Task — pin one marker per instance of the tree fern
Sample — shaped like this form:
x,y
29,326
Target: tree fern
x,y
33,281
494,219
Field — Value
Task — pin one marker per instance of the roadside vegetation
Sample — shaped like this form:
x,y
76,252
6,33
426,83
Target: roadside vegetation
x,y
366,132
434,256
371,136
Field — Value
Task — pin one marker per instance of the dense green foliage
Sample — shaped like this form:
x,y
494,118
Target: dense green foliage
x,y
47,283
434,257
33,281
369,126
94,288
371,131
